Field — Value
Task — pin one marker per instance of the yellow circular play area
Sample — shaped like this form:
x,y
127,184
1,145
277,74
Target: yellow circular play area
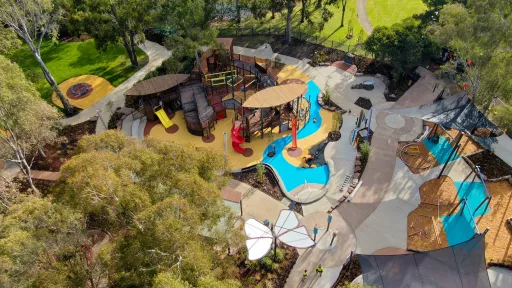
x,y
88,90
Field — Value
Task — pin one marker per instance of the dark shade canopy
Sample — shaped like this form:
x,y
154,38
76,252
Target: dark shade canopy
x,y
457,112
458,266
157,84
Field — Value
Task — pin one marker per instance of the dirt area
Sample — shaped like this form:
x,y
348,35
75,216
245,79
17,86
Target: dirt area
x,y
420,227
467,145
268,186
491,165
442,189
421,230
58,153
418,160
498,241
349,272
364,103
257,274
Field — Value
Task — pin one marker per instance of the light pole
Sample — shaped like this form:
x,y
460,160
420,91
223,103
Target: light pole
x,y
334,234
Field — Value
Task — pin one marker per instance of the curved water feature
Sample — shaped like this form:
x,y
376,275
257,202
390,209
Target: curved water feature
x,y
293,176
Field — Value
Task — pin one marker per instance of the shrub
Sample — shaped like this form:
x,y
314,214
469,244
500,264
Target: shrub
x,y
327,97
268,263
260,171
337,121
364,149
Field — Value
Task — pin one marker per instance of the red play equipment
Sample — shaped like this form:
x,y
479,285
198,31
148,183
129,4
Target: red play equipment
x,y
294,133
236,138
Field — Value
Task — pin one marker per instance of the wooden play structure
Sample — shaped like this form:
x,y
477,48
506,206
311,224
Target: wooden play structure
x,y
223,80
273,107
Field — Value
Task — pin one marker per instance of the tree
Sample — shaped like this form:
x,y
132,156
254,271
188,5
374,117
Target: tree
x,y
32,20
290,5
37,240
9,41
26,121
481,33
343,7
113,21
162,196
406,46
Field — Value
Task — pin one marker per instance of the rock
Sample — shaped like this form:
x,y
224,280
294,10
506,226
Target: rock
x,y
93,119
358,156
324,64
357,168
357,175
510,180
358,163
392,96
358,74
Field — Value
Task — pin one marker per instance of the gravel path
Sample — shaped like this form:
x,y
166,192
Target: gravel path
x,y
363,17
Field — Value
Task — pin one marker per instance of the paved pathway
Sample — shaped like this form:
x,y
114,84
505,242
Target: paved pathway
x,y
362,16
500,277
156,53
332,257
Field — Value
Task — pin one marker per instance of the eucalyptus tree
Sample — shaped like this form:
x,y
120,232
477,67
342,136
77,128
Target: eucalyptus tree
x,y
33,20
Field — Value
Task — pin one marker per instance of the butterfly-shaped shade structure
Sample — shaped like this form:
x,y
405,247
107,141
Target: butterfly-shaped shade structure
x,y
286,229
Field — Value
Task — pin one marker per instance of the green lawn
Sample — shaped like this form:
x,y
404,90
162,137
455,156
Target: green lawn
x,y
331,32
70,59
389,12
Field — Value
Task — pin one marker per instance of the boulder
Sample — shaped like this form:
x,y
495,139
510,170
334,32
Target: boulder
x,y
358,163
383,78
357,169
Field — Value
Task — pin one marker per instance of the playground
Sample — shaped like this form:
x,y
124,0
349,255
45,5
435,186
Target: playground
x,y
252,111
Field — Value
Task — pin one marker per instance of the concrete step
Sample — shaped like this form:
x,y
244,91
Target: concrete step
x,y
127,126
142,124
135,128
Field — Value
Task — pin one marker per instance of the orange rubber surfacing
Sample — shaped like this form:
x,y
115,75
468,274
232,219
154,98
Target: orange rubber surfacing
x,y
100,88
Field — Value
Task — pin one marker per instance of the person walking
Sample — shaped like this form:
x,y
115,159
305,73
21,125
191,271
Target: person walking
x,y
304,275
319,269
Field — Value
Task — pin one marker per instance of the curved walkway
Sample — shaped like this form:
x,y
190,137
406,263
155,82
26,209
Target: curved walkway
x,y
362,16
156,53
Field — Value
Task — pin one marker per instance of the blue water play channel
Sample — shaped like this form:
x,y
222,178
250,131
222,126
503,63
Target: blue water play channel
x,y
290,175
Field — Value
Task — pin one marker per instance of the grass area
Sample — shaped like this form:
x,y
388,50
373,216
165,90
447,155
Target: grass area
x,y
70,59
389,12
331,32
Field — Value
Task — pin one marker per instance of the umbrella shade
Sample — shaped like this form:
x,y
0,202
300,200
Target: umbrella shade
x,y
276,96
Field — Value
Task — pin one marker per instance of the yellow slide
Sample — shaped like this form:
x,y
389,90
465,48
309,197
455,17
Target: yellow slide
x,y
164,118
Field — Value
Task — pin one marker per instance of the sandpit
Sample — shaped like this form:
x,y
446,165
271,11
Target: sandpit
x,y
83,91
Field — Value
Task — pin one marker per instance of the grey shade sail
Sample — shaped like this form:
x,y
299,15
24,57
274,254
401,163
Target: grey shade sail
x,y
459,266
457,112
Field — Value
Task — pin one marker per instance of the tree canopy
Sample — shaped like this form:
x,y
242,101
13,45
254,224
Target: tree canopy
x,y
32,21
163,198
405,45
26,121
480,32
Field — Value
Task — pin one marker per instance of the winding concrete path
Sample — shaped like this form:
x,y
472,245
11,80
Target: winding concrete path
x,y
362,16
156,54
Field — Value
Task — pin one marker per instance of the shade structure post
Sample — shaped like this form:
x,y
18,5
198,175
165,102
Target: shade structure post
x,y
261,123
315,231
334,234
463,206
455,147
329,220
101,119
225,149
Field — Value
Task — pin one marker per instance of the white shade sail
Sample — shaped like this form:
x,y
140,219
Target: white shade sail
x,y
298,238
258,247
287,220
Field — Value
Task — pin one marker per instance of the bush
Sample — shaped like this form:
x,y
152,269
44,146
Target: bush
x,y
364,149
327,97
337,121
260,170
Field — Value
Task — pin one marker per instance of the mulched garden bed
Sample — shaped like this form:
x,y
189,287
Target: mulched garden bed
x,y
253,273
269,185
349,272
490,164
364,103
58,153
